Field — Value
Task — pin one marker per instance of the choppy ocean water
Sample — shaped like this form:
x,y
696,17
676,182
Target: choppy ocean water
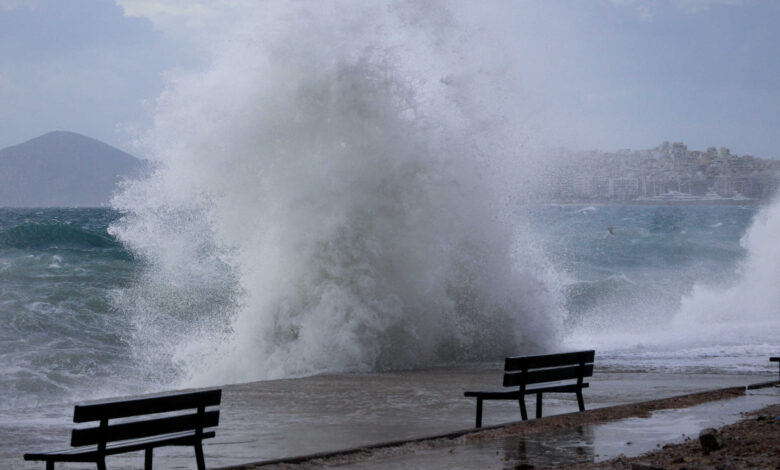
x,y
61,336
667,288
69,332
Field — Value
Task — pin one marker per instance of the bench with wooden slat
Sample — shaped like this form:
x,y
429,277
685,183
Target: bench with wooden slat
x,y
180,419
548,373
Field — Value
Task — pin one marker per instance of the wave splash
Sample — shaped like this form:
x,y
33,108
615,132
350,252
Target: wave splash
x,y
330,195
748,308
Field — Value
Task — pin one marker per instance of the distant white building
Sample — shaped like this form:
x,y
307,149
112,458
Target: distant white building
x,y
624,188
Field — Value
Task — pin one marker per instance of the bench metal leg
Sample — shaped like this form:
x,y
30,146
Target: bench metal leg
x,y
199,456
523,413
101,463
538,405
50,465
580,401
479,412
148,458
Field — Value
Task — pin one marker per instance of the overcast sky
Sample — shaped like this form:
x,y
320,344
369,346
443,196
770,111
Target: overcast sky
x,y
604,74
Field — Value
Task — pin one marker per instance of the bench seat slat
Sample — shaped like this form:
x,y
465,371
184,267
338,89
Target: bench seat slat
x,y
140,429
90,453
145,406
515,394
548,360
512,379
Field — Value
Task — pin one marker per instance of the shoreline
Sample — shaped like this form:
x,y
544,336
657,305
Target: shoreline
x,y
665,202
400,448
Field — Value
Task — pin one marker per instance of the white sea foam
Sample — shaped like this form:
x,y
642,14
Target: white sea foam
x,y
586,210
332,193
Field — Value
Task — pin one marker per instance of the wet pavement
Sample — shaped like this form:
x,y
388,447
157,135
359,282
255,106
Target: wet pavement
x,y
580,444
281,418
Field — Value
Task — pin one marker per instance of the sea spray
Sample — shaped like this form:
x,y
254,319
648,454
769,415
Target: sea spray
x,y
747,312
333,192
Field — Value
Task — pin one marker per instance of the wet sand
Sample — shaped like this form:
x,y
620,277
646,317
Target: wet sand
x,y
270,420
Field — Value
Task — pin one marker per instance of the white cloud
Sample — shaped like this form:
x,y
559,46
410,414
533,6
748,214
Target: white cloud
x,y
178,15
156,10
695,6
9,5
647,10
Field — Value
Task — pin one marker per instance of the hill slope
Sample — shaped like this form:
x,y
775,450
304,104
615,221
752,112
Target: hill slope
x,y
62,169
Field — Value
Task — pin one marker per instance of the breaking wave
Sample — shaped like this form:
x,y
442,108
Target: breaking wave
x,y
331,194
53,235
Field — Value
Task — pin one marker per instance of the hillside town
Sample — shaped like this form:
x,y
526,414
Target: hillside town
x,y
669,172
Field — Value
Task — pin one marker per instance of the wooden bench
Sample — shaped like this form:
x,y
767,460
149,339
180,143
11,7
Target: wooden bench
x,y
183,424
522,371
777,360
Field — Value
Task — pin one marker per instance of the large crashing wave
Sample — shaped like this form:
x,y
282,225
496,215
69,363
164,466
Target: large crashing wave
x,y
331,194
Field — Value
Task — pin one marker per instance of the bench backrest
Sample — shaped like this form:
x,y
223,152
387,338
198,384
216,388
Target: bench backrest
x,y
527,370
145,426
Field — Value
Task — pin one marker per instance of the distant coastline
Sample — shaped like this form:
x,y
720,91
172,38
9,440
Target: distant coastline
x,y
667,174
661,202
694,202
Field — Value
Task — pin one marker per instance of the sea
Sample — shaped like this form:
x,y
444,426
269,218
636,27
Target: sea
x,y
654,288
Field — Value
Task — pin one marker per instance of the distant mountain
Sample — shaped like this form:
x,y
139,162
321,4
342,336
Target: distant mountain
x,y
62,169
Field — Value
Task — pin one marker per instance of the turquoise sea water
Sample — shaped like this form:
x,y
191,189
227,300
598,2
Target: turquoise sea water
x,y
61,335
69,331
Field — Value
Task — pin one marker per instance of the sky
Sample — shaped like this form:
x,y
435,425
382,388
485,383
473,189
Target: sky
x,y
597,74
